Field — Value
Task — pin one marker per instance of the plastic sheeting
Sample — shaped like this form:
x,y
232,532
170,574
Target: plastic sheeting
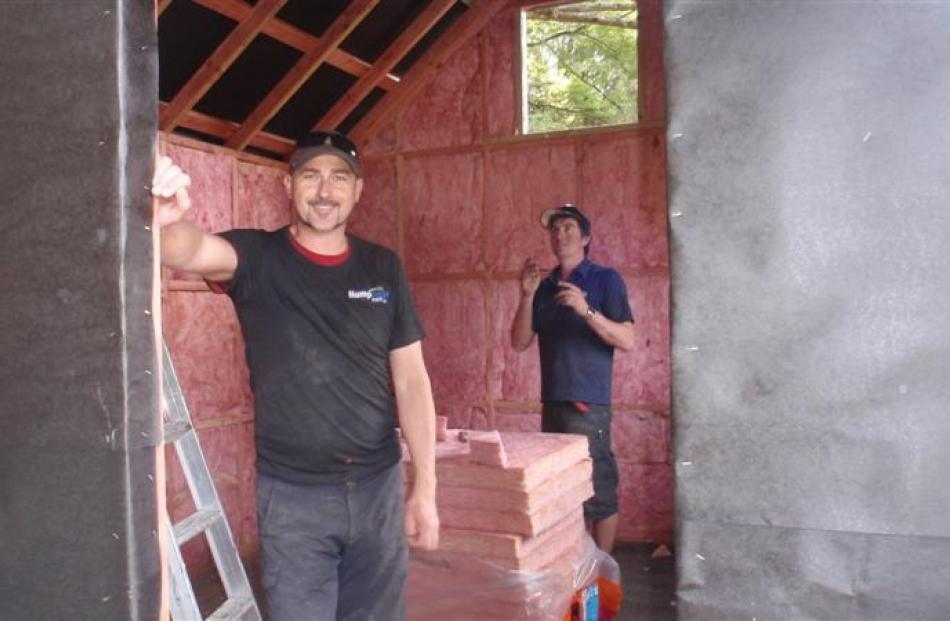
x,y
473,589
809,181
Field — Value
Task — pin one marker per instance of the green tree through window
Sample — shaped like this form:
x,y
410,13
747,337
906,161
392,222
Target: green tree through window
x,y
580,65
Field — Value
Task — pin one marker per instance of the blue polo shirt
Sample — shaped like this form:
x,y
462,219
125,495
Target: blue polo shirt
x,y
576,365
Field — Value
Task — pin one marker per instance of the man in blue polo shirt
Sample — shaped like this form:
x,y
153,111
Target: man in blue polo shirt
x,y
581,314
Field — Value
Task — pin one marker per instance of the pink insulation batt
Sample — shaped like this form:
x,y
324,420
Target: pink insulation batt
x,y
512,525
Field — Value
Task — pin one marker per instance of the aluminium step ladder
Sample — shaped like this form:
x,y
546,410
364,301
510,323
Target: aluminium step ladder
x,y
208,518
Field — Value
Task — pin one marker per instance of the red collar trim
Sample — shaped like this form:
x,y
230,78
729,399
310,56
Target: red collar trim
x,y
314,257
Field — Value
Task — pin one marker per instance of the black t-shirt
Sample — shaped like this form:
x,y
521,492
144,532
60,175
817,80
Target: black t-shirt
x,y
318,339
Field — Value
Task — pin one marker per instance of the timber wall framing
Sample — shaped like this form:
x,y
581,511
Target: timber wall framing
x,y
453,186
458,193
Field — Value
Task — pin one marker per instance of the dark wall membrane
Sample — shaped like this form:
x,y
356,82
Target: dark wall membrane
x,y
744,572
809,150
78,393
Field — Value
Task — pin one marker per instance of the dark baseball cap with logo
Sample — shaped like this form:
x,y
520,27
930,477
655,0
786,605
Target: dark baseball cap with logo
x,y
326,143
567,210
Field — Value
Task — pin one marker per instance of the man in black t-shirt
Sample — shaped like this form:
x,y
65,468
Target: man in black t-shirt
x,y
333,344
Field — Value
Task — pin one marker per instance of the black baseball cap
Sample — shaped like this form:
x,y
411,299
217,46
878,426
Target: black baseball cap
x,y
326,143
567,210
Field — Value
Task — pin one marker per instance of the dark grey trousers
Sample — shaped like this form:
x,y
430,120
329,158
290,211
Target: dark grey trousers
x,y
333,552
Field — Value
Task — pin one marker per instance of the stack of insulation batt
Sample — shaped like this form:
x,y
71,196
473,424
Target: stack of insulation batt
x,y
512,526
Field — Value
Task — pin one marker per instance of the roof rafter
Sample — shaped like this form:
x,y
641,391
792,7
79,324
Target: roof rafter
x,y
296,38
221,128
341,27
425,69
396,51
215,66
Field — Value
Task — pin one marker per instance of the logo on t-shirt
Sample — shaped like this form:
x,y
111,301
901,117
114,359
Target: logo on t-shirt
x,y
376,295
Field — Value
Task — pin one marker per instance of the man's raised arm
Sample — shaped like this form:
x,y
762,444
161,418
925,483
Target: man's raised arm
x,y
185,247
521,332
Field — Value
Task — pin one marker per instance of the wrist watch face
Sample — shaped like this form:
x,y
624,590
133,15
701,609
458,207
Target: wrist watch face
x,y
590,312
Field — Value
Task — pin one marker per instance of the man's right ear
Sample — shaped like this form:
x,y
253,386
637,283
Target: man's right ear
x,y
289,185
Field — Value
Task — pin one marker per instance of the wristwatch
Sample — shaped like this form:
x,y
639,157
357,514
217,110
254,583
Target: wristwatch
x,y
590,313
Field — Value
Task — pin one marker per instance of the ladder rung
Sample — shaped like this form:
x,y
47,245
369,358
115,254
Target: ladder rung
x,y
175,430
197,522
233,609
210,519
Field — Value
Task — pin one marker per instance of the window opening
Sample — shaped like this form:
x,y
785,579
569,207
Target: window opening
x,y
579,64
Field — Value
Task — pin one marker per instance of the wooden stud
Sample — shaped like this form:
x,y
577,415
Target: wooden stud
x,y
586,134
534,407
631,272
400,208
528,4
519,78
207,147
216,64
236,196
396,51
445,277
528,141
509,406
399,128
580,148
188,285
400,163
650,60
485,60
341,27
283,146
487,286
235,416
426,68
298,39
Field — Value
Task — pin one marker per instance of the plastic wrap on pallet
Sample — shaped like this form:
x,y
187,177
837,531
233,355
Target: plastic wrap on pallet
x,y
513,542
466,588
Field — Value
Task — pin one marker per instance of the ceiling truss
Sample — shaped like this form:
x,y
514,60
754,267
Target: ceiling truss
x,y
260,19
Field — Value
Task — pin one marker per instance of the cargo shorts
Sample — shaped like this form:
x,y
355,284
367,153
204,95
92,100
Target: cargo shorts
x,y
565,417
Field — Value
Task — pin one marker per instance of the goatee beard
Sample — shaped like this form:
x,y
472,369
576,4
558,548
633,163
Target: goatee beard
x,y
336,225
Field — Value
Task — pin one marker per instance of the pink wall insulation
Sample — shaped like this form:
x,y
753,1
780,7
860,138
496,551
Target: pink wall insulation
x,y
453,188
467,192
204,338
